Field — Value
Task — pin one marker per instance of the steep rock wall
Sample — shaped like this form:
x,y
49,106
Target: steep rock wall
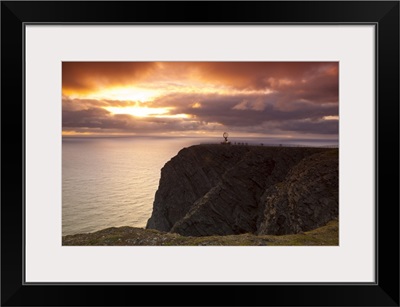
x,y
221,190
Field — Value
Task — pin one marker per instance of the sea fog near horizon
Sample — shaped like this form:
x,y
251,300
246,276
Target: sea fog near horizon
x,y
111,181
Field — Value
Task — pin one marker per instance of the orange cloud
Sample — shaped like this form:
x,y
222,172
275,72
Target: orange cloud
x,y
86,77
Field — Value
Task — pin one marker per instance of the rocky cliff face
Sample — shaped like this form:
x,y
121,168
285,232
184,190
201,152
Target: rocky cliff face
x,y
224,190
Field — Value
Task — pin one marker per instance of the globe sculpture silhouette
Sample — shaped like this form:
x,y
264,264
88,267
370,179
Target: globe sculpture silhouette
x,y
225,135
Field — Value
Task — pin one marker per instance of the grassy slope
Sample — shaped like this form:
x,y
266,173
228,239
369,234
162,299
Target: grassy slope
x,y
327,235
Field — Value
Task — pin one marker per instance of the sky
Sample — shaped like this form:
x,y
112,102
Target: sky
x,y
253,99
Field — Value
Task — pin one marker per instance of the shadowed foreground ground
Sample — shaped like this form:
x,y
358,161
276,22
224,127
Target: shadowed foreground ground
x,y
327,235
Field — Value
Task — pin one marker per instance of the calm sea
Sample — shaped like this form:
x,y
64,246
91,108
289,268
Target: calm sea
x,y
111,182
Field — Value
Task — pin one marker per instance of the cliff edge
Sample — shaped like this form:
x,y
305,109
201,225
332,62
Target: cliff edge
x,y
227,190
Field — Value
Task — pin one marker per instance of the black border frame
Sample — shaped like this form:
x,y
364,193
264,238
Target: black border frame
x,y
383,14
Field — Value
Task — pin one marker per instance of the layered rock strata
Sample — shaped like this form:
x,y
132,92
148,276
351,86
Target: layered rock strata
x,y
224,190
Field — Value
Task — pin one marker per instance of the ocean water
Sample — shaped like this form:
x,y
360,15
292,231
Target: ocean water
x,y
111,182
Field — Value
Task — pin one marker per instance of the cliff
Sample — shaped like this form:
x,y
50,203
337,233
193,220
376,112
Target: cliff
x,y
227,190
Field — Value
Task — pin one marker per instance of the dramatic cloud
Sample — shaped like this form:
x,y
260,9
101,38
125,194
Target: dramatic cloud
x,y
88,76
256,98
